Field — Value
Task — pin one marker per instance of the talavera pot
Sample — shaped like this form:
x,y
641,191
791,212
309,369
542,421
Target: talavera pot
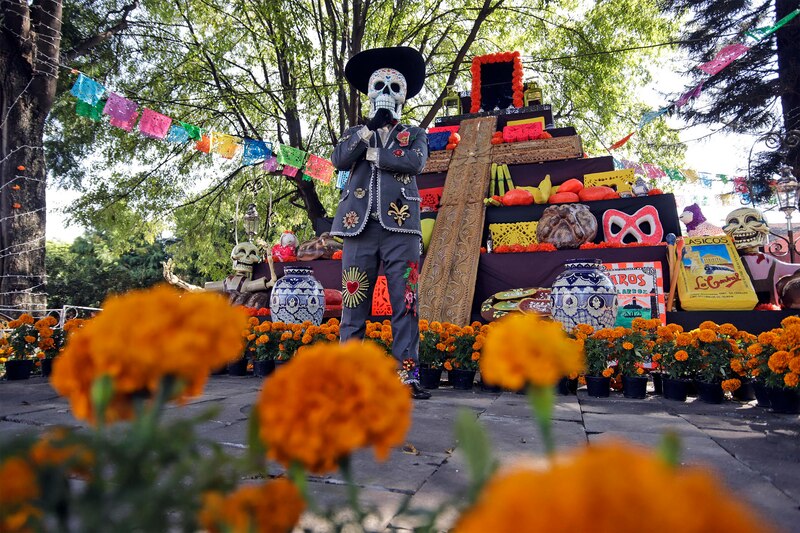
x,y
296,297
584,294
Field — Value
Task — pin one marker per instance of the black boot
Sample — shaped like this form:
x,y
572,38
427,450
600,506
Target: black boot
x,y
417,392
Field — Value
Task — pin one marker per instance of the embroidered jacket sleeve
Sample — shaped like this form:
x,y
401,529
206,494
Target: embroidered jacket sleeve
x,y
351,147
405,160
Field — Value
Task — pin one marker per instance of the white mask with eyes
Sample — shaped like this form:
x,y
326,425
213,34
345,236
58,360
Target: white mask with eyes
x,y
387,89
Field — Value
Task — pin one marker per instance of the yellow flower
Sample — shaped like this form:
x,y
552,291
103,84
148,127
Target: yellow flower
x,y
141,337
731,385
607,488
523,348
272,507
330,400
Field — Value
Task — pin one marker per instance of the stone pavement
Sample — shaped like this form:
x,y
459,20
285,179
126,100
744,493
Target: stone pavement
x,y
756,452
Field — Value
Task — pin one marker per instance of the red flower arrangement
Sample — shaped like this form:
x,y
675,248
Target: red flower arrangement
x,y
601,245
337,254
518,248
252,311
516,77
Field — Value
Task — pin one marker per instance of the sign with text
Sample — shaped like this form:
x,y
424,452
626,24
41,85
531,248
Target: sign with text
x,y
640,291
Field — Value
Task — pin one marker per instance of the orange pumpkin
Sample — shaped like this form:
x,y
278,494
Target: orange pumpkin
x,y
653,192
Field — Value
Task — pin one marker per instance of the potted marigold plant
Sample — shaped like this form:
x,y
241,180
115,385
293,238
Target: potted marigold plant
x,y
627,346
464,358
782,371
267,343
670,354
710,354
21,347
598,369
431,354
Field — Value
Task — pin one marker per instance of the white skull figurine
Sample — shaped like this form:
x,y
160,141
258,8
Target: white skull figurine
x,y
244,255
747,229
387,89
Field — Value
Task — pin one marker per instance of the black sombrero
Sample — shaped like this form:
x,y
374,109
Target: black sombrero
x,y
404,59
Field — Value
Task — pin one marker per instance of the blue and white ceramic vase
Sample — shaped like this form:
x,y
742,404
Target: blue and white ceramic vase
x,y
584,294
296,297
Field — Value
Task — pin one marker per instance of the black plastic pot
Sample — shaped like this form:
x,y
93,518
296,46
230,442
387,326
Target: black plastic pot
x,y
675,389
429,378
19,368
47,367
598,386
746,392
238,368
762,394
461,379
785,401
658,378
710,392
634,387
263,368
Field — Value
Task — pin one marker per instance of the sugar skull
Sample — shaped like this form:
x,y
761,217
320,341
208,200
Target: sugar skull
x,y
747,229
387,89
644,226
244,255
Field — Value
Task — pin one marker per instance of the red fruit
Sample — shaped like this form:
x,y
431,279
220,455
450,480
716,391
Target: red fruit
x,y
563,198
571,185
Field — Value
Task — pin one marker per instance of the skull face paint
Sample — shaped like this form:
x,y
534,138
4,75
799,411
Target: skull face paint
x,y
387,90
747,229
244,255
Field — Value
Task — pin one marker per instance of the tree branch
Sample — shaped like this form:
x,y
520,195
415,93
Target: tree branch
x,y
88,44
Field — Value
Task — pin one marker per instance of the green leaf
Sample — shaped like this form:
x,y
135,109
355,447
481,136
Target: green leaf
x,y
670,448
474,443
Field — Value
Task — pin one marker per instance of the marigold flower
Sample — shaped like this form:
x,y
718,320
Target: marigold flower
x,y
448,365
627,345
791,379
523,348
352,387
272,507
731,385
755,349
779,362
728,329
683,339
573,495
706,335
141,337
681,355
476,356
608,372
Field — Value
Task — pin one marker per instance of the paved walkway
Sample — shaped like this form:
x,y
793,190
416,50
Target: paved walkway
x,y
756,452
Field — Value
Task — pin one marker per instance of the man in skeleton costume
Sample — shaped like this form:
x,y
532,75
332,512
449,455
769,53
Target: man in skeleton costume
x,y
749,232
378,213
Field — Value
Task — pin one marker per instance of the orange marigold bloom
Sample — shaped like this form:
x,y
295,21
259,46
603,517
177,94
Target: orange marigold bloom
x,y
683,339
707,335
29,339
523,348
476,356
737,366
576,495
141,337
681,355
755,349
779,362
272,507
18,488
708,325
448,365
731,385
791,379
794,364
627,345
728,329
352,387
608,372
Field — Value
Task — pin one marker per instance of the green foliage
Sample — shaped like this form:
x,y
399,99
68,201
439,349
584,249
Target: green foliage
x,y
85,272
274,71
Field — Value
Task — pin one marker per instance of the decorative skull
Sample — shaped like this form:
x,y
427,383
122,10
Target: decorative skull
x,y
387,89
244,255
747,229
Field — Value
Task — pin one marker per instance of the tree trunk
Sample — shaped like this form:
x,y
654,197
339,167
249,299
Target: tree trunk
x,y
29,51
788,44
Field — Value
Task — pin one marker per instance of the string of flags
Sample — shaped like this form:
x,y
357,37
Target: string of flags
x,y
94,102
689,176
727,55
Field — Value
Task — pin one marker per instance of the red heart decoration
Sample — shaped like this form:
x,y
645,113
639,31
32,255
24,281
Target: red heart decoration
x,y
352,287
